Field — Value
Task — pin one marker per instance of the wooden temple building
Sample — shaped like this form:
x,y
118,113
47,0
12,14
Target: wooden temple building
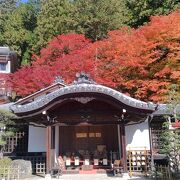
x,y
89,126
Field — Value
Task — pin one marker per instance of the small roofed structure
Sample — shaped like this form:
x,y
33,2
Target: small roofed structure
x,y
9,62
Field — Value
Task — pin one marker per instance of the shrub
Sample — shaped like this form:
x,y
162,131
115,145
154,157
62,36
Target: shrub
x,y
5,163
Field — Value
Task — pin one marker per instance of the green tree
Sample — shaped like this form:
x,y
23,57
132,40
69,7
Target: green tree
x,y
55,17
5,131
141,10
7,6
18,30
96,17
171,146
1,29
170,138
174,101
5,123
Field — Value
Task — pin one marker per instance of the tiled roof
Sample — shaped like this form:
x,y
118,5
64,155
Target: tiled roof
x,y
5,51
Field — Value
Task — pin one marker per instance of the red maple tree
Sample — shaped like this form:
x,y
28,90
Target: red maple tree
x,y
145,61
142,62
62,57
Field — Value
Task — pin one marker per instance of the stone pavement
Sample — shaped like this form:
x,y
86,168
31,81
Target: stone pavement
x,y
88,177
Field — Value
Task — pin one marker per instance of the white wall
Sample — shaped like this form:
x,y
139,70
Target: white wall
x,y
36,142
8,68
137,136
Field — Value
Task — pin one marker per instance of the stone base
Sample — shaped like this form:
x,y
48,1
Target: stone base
x,y
125,175
87,167
48,177
22,168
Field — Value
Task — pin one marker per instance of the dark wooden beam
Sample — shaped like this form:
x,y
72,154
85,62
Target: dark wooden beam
x,y
124,156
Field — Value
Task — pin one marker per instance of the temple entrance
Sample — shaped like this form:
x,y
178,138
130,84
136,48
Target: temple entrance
x,y
89,146
85,122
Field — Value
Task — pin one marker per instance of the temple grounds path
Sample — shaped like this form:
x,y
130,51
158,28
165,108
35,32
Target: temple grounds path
x,y
88,177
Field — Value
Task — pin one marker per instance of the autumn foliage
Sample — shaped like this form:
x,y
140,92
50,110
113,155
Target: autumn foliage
x,y
145,61
142,62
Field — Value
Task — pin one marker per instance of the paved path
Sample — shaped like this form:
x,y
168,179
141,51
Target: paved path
x,y
87,177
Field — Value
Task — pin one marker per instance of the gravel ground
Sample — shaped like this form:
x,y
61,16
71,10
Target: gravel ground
x,y
87,177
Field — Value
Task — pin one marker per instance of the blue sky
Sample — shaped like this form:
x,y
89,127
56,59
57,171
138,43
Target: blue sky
x,y
24,0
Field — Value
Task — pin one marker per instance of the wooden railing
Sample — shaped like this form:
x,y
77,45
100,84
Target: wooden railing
x,y
138,160
156,139
40,168
162,172
16,143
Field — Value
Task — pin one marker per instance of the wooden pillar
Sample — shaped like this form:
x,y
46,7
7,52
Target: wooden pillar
x,y
119,141
150,140
57,141
53,153
124,156
48,149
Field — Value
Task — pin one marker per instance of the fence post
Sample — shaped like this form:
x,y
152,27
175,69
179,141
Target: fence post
x,y
156,169
8,174
130,156
169,172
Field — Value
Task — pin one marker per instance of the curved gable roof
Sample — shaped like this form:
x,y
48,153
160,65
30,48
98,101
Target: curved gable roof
x,y
39,103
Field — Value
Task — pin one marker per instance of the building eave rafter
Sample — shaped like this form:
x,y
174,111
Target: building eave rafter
x,y
82,88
